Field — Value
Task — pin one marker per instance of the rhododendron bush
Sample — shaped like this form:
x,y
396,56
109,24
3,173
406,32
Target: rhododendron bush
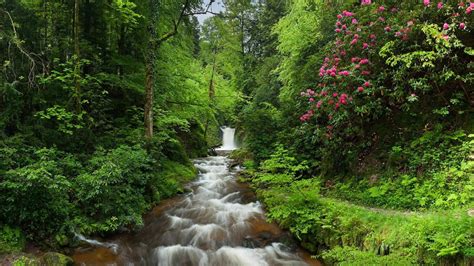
x,y
393,56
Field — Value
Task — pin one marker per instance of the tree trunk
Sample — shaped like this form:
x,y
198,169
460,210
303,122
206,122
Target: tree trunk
x,y
212,92
149,80
150,58
77,67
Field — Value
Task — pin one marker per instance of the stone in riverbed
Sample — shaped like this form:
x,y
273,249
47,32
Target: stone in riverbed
x,y
24,261
56,259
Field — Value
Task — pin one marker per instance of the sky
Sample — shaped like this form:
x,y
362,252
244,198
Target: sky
x,y
216,7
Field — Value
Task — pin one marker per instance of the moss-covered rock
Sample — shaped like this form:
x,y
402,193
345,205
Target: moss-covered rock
x,y
56,259
26,261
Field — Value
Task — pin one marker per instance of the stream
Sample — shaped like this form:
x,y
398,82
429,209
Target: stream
x,y
218,223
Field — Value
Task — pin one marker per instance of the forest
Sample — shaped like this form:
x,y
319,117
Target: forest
x,y
354,121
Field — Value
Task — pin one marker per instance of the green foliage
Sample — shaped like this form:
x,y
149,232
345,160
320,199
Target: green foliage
x,y
36,196
260,123
432,171
355,235
111,190
352,256
11,239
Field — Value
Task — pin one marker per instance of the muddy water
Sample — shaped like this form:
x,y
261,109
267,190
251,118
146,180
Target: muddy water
x,y
218,223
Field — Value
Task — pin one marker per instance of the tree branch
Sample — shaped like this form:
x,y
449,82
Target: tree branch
x,y
182,15
17,42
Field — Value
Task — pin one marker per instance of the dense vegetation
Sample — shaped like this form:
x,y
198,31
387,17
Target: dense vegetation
x,y
356,118
370,102
73,154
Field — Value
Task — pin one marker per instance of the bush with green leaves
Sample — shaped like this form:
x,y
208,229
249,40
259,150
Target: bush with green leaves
x,y
344,233
37,197
11,239
111,192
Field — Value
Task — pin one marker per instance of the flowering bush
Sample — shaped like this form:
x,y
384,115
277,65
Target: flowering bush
x,y
386,57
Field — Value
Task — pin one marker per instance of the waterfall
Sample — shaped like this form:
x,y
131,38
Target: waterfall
x,y
228,139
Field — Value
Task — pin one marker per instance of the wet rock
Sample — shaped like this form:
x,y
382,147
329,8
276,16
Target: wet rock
x,y
56,259
289,242
26,261
212,152
265,235
251,243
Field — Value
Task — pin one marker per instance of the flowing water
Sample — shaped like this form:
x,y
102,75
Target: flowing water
x,y
218,223
228,139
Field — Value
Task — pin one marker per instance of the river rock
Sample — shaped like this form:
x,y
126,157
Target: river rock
x,y
56,259
26,261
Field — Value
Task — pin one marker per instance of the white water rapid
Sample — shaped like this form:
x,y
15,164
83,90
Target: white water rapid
x,y
219,223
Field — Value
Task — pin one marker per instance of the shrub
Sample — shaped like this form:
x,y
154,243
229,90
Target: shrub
x,y
11,239
36,196
111,193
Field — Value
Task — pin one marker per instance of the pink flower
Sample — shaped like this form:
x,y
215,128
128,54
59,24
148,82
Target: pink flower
x,y
357,66
394,10
426,2
311,100
344,73
347,13
343,53
382,19
318,104
445,37
335,94
354,21
364,61
372,36
354,41
355,59
387,29
338,23
445,26
367,84
324,93
339,16
440,5
365,73
410,23
356,36
381,9
360,89
469,10
344,27
366,2
398,34
338,30
365,46
462,25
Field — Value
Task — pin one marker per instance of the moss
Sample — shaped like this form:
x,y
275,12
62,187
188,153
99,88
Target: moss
x,y
349,234
11,239
26,261
56,259
183,173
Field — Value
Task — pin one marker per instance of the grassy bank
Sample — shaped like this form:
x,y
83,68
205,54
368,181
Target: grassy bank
x,y
343,233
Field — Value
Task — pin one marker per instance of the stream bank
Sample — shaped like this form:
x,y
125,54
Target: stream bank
x,y
218,223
